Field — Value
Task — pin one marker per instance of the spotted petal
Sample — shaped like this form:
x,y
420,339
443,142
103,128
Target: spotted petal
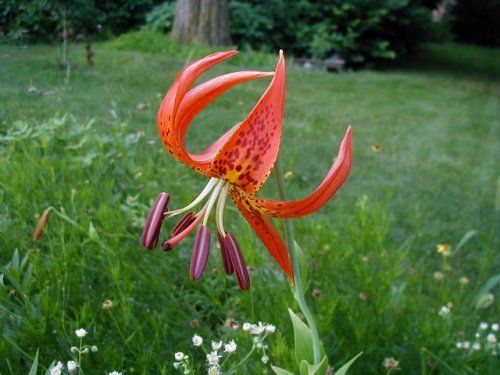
x,y
332,182
182,104
266,232
246,159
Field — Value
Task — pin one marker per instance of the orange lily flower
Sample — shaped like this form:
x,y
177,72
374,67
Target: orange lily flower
x,y
238,164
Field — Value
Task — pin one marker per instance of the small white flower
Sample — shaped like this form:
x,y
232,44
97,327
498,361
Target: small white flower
x,y
491,338
230,347
483,325
197,340
478,335
466,345
80,333
114,373
213,358
213,370
94,349
476,346
494,327
247,327
459,345
258,329
444,311
264,359
216,345
179,356
72,366
57,369
270,328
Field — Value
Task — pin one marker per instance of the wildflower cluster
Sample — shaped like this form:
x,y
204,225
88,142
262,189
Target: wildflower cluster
x,y
219,351
75,366
260,332
485,339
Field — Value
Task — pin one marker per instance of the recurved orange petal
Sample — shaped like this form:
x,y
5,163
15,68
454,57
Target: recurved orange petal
x,y
181,105
246,159
332,182
266,232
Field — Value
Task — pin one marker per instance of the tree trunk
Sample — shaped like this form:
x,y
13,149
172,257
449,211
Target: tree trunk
x,y
202,21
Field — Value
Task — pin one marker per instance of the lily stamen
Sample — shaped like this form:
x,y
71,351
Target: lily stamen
x,y
208,188
213,198
219,210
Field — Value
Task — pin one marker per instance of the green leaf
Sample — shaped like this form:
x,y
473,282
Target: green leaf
x,y
343,369
92,232
320,369
303,340
464,240
34,366
280,371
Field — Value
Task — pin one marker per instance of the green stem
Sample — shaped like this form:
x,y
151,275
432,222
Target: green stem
x,y
299,288
249,354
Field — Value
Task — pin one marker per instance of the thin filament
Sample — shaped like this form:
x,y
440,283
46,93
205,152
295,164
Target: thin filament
x,y
208,188
212,199
219,212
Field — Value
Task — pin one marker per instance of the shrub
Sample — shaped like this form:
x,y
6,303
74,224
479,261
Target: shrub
x,y
476,21
161,17
41,20
362,31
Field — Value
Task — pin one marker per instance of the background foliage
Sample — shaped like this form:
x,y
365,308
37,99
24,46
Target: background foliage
x,y
361,31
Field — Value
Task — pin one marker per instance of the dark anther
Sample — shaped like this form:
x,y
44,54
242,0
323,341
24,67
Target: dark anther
x,y
155,218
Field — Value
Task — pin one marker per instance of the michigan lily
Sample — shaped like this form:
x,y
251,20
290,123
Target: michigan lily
x,y
237,164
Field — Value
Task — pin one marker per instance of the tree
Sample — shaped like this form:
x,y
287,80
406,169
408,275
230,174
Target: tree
x,y
202,21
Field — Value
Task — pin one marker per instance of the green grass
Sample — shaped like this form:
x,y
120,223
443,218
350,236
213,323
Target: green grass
x,y
88,148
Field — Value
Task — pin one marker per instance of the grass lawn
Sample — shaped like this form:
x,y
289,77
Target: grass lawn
x,y
88,148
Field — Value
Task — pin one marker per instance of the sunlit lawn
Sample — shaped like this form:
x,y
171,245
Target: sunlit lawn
x,y
426,171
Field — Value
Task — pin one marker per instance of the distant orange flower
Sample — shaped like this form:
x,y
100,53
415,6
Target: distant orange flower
x,y
41,224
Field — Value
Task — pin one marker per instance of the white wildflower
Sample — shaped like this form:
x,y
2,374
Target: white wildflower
x,y
247,327
491,338
466,345
216,345
494,327
264,359
57,369
114,373
476,346
179,356
483,325
213,370
444,311
197,340
72,366
257,329
459,345
230,347
270,328
213,358
80,333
